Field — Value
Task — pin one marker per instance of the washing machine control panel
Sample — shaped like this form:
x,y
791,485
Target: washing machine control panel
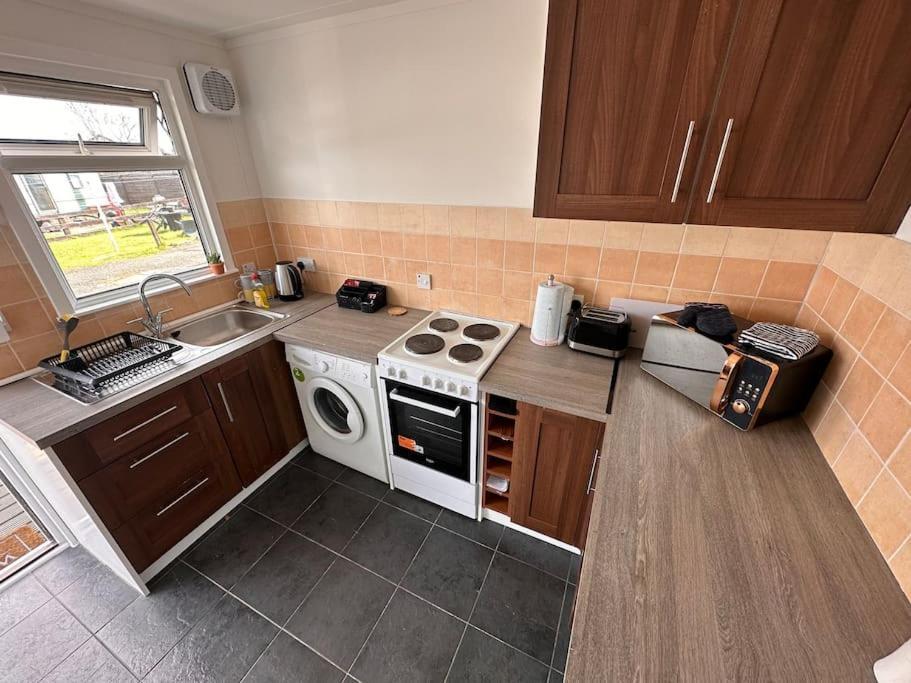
x,y
316,363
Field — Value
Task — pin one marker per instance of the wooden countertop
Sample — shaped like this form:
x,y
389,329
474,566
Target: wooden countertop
x,y
715,554
551,376
46,417
348,333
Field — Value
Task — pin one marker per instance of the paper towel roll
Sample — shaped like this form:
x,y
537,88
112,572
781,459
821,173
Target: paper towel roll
x,y
551,306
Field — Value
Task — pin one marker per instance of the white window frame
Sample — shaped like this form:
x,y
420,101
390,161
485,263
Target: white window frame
x,y
40,158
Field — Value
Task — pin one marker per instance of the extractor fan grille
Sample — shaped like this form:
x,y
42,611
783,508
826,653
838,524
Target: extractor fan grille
x,y
218,90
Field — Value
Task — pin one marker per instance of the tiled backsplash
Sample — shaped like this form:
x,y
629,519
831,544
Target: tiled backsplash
x,y
30,314
860,304
489,260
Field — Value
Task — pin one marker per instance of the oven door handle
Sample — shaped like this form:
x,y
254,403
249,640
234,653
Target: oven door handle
x,y
396,396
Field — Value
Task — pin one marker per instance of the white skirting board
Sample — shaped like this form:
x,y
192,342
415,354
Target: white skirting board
x,y
213,519
500,518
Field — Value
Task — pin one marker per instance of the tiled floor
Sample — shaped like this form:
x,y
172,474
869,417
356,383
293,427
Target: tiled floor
x,y
323,575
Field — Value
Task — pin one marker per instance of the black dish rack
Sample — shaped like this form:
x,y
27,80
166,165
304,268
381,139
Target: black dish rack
x,y
97,363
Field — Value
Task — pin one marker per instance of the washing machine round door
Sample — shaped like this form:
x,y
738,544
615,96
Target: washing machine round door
x,y
335,410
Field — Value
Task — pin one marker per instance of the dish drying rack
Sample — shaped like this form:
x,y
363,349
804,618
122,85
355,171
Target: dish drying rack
x,y
117,357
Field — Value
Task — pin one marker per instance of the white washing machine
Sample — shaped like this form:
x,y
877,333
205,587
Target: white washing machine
x,y
341,410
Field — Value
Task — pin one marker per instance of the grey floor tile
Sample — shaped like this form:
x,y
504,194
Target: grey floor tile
x,y
520,605
20,599
317,463
290,492
537,553
485,532
387,542
416,506
38,643
91,663
143,632
97,597
232,549
575,566
221,647
335,516
287,661
281,579
561,649
448,571
413,641
363,483
337,616
62,570
482,659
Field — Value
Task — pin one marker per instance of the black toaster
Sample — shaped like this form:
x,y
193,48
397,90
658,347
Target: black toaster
x,y
602,331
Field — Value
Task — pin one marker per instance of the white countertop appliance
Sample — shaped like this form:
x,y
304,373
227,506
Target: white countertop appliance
x,y
341,410
429,381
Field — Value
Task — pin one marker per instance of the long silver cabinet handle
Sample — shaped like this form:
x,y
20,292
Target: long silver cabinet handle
x,y
224,399
591,475
143,424
724,146
180,498
686,149
160,449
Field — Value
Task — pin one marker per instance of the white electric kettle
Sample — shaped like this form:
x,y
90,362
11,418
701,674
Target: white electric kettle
x,y
548,326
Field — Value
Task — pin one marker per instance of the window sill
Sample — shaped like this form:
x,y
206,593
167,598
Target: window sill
x,y
161,287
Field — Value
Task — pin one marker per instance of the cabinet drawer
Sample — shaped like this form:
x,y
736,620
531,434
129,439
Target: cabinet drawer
x,y
122,489
159,526
104,443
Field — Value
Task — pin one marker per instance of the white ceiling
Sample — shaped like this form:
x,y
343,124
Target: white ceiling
x,y
229,18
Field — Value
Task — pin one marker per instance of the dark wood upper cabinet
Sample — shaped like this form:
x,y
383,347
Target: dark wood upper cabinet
x,y
628,87
801,111
553,457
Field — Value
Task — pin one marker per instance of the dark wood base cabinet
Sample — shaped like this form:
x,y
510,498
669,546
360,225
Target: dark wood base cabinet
x,y
156,471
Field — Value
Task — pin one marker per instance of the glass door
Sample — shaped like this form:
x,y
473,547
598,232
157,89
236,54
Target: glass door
x,y
22,537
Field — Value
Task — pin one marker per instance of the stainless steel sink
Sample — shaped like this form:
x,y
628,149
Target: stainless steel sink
x,y
224,326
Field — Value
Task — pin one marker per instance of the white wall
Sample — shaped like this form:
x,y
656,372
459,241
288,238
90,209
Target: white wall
x,y
433,102
70,32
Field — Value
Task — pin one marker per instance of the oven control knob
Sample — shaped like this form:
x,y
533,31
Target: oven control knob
x,y
463,390
451,387
438,384
390,372
740,406
425,380
403,374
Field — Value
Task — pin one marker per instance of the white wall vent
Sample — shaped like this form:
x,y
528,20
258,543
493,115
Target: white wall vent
x,y
212,89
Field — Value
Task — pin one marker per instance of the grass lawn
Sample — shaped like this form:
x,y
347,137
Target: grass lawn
x,y
134,241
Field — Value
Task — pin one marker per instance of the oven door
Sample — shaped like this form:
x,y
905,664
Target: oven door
x,y
430,428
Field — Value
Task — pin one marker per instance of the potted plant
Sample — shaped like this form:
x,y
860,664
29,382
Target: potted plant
x,y
216,265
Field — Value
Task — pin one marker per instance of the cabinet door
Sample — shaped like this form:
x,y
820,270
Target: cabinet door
x,y
628,88
554,453
815,109
277,397
243,421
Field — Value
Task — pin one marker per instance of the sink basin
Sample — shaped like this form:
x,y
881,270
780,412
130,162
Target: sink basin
x,y
224,326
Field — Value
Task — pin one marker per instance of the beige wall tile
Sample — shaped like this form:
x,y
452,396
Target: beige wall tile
x,y
704,240
371,242
412,218
490,253
517,309
389,217
520,226
519,256
683,296
395,269
373,267
857,467
490,281
328,212
774,311
787,280
582,261
850,254
661,237
550,258
861,319
859,389
351,241
622,235
740,276
900,564
606,290
368,215
392,244
833,432
30,351
582,286
887,421
888,275
739,305
436,219
821,289
441,274
649,293
900,465
412,268
655,268
462,221
14,286
808,246
518,285
751,243
818,406
464,278
466,302
463,250
618,265
696,272
901,374
551,231
843,357
839,303
491,222
886,511
586,233
415,246
9,363
889,338
438,248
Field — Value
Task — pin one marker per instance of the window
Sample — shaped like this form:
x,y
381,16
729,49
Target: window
x,y
108,194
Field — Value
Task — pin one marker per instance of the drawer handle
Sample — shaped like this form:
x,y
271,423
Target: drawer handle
x,y
159,450
180,498
724,146
591,475
686,149
224,399
143,424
